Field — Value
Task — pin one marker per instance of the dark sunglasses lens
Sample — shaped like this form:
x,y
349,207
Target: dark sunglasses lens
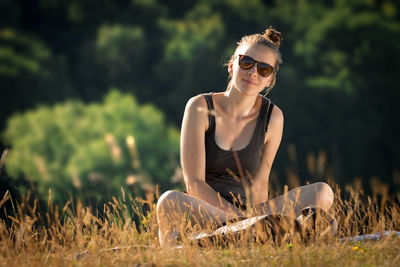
x,y
246,62
264,69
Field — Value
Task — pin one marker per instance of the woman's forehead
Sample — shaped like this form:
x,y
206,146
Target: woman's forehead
x,y
258,52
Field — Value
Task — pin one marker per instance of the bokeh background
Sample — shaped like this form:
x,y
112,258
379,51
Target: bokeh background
x,y
92,93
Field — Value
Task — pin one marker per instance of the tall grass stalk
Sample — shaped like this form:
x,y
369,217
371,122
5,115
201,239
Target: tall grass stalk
x,y
126,234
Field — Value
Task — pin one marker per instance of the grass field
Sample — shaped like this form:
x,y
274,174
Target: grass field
x,y
73,236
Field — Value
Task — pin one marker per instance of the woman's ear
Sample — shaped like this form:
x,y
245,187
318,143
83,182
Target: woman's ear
x,y
230,68
269,80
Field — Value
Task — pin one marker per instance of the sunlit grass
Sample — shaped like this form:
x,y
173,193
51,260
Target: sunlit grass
x,y
124,231
126,234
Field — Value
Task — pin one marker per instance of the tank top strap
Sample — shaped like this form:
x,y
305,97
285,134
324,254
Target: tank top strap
x,y
210,106
269,112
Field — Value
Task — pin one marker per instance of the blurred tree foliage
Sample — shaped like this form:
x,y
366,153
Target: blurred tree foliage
x,y
337,86
92,150
343,56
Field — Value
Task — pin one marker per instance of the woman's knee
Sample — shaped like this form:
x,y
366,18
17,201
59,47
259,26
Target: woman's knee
x,y
324,195
167,200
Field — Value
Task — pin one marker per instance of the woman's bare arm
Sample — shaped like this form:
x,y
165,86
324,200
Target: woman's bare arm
x,y
259,188
193,156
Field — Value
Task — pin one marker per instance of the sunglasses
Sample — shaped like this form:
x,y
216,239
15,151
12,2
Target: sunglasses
x,y
246,63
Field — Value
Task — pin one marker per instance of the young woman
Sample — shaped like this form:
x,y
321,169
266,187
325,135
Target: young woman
x,y
228,144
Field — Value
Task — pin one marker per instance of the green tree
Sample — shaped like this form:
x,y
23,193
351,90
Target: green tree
x,y
92,150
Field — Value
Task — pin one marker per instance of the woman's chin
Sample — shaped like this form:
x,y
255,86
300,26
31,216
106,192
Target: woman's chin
x,y
249,91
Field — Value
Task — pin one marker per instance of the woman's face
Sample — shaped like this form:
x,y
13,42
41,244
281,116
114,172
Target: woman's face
x,y
250,82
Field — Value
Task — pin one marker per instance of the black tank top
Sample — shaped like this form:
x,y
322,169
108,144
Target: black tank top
x,y
228,172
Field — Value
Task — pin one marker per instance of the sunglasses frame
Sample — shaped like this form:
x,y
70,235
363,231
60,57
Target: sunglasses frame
x,y
258,65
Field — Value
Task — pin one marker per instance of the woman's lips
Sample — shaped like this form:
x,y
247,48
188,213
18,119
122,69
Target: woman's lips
x,y
249,82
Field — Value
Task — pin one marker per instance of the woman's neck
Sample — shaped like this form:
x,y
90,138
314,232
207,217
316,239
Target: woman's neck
x,y
239,105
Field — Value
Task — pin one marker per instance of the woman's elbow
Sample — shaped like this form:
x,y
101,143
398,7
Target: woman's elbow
x,y
192,187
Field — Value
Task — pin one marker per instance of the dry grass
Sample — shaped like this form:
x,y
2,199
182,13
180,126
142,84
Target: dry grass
x,y
73,235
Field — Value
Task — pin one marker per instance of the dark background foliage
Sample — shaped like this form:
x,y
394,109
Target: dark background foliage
x,y
338,86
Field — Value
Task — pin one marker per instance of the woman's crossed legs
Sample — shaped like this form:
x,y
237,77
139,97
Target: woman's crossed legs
x,y
177,210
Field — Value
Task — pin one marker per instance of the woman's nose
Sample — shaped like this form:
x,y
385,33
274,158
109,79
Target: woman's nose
x,y
253,71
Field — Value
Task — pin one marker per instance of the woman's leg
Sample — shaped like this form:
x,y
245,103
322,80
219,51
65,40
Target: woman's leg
x,y
176,209
317,195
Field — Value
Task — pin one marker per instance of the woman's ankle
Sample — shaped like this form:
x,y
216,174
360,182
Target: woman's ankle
x,y
168,238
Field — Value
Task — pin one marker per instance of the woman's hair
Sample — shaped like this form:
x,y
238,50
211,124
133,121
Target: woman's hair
x,y
270,38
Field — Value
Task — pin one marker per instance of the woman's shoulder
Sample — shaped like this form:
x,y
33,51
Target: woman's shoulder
x,y
276,114
196,110
196,102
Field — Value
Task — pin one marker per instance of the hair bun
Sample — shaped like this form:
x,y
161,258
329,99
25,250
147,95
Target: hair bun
x,y
273,36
